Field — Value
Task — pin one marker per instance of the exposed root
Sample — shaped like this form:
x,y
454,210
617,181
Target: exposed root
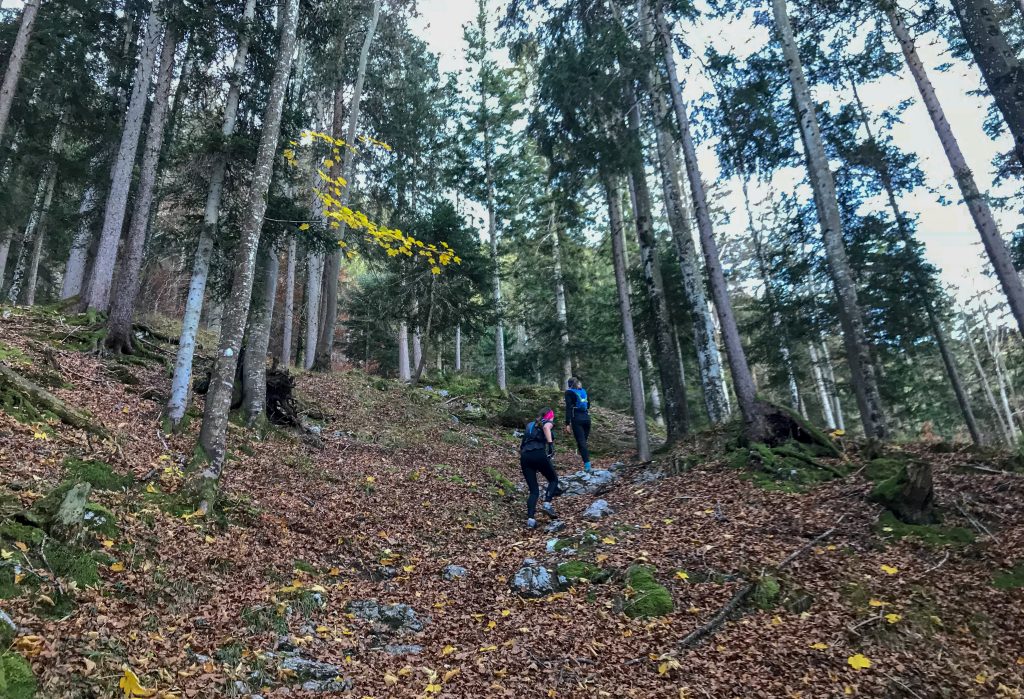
x,y
34,400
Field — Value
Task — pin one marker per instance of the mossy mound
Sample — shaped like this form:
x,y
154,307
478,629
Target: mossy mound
x,y
15,531
99,475
584,570
101,520
649,598
16,678
1011,579
883,468
929,534
766,593
790,467
8,590
72,564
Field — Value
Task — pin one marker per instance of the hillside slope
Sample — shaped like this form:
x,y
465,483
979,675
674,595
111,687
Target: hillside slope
x,y
295,585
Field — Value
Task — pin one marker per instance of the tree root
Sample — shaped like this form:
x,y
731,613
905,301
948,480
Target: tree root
x,y
34,399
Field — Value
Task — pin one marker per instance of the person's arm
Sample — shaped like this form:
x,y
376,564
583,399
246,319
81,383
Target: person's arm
x,y
549,439
570,404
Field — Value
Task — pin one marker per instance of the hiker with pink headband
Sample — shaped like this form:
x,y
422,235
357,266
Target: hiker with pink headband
x,y
535,453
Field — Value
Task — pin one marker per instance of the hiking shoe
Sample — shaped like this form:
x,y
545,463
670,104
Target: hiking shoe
x,y
549,510
586,467
531,523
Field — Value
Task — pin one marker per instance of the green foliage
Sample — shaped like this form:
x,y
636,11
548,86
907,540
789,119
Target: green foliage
x,y
648,597
936,535
1011,579
16,678
15,531
766,592
100,475
583,570
71,563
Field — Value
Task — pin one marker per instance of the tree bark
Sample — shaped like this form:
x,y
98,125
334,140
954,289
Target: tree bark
x,y
404,371
254,363
124,164
16,60
858,355
983,379
37,245
991,238
561,312
325,341
129,278
421,362
74,270
178,401
458,348
823,393
40,207
213,434
653,393
289,305
636,389
830,375
5,248
999,64
314,285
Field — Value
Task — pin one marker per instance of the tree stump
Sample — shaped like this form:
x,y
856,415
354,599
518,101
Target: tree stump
x,y
774,425
910,494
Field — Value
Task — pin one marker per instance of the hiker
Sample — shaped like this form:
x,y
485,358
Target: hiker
x,y
535,452
577,417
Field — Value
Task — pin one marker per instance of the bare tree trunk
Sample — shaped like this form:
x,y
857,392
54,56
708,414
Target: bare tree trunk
x,y
178,401
499,331
653,394
857,352
830,374
1002,384
16,60
213,435
421,362
314,285
5,248
999,64
37,246
289,305
458,348
404,371
74,271
560,306
325,341
254,364
823,393
709,361
124,164
129,278
991,238
636,389
954,377
417,342
986,388
40,207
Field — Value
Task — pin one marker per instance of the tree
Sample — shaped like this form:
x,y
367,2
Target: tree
x,y
17,58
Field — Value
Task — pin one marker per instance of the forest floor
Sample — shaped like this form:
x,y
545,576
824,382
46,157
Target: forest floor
x,y
394,490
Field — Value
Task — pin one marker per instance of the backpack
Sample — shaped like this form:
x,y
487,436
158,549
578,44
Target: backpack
x,y
582,402
533,438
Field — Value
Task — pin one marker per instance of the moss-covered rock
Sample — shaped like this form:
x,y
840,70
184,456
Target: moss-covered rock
x,y
1011,579
883,469
71,563
15,531
100,520
890,527
99,475
766,592
16,678
583,570
648,597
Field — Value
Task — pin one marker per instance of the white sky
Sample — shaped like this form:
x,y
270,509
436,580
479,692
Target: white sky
x,y
952,243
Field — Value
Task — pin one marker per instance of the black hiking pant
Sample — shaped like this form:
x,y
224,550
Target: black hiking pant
x,y
581,431
533,462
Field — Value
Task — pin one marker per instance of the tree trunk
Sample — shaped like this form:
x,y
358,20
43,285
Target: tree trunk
x,y
830,375
417,342
129,278
40,207
993,241
37,246
458,348
953,373
74,270
1001,384
404,371
999,64
857,352
124,164
178,401
655,396
314,285
213,435
983,379
16,60
636,389
421,362
709,361
289,305
823,393
325,342
560,306
5,248
254,369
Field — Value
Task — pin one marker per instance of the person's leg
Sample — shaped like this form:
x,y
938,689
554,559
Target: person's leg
x,y
530,474
548,470
580,430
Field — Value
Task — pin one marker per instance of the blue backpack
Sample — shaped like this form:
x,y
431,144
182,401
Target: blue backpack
x,y
582,402
533,438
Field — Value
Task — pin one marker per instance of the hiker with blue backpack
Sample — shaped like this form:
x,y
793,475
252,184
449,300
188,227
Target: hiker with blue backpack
x,y
535,452
577,417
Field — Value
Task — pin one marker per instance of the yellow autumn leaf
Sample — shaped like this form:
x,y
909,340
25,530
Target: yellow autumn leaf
x,y
602,557
40,435
304,227
130,685
126,410
370,480
334,572
21,546
433,689
209,539
447,650
151,488
117,567
609,540
6,555
450,674
328,163
889,570
682,575
18,577
877,603
390,680
892,618
107,543
819,646
980,678
491,624
506,612
488,649
858,662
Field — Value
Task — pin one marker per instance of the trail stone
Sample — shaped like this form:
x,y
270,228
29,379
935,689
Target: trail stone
x,y
397,617
534,580
453,572
598,509
403,649
555,527
310,670
582,483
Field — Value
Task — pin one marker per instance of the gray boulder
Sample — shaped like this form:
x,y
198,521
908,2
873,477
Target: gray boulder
x,y
396,617
403,649
534,580
311,670
582,483
555,527
453,572
598,509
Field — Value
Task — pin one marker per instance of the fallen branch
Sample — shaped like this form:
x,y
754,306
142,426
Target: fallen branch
x,y
939,564
41,398
996,471
978,526
737,599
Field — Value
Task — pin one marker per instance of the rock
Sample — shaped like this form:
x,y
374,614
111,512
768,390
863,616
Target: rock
x,y
474,441
453,572
200,623
552,543
650,476
555,527
306,669
387,572
242,689
598,509
403,649
336,685
397,617
534,580
285,645
582,483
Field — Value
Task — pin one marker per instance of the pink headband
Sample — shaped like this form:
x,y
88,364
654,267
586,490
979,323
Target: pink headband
x,y
549,415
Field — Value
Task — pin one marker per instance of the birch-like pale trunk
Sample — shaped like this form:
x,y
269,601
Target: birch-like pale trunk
x,y
561,311
421,362
652,392
830,375
976,203
182,378
984,381
325,341
254,363
404,370
288,312
129,278
5,249
17,58
998,62
74,270
314,285
819,384
40,207
458,348
636,386
124,164
37,245
1002,383
858,355
213,434
417,341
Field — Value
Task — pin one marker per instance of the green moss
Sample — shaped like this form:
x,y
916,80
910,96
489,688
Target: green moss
x,y
8,590
649,598
63,605
264,619
766,592
101,520
99,475
583,570
45,509
500,480
12,355
1011,579
9,504
71,564
15,531
883,469
929,534
16,678
305,567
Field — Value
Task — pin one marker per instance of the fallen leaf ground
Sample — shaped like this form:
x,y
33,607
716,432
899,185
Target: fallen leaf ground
x,y
395,490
